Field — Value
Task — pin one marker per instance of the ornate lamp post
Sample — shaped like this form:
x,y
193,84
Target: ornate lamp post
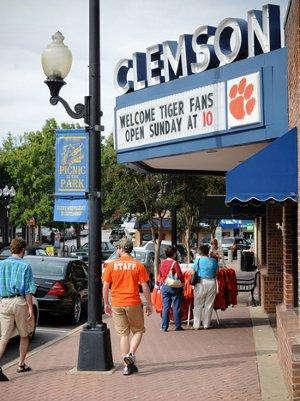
x,y
95,346
7,194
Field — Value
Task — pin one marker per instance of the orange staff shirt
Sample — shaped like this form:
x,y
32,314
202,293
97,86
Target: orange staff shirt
x,y
124,276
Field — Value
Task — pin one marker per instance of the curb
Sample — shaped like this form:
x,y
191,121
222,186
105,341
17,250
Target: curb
x,y
42,347
271,382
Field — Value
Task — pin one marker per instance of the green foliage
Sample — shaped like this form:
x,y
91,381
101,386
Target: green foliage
x,y
29,161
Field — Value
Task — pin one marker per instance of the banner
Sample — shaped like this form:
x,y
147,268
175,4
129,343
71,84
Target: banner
x,y
186,114
71,167
71,210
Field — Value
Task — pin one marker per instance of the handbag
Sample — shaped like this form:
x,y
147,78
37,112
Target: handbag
x,y
195,278
172,280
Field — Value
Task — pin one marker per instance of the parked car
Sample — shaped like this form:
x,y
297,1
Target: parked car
x,y
234,244
61,285
143,255
83,252
116,234
5,253
39,251
164,244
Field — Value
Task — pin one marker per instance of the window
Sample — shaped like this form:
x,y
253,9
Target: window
x,y
77,271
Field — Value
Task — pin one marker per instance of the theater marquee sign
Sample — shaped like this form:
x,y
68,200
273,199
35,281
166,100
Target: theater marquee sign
x,y
200,111
217,88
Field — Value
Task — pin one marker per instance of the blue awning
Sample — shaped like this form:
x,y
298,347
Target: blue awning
x,y
233,223
269,174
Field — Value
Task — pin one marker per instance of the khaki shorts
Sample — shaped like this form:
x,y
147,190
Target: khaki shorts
x,y
128,318
13,315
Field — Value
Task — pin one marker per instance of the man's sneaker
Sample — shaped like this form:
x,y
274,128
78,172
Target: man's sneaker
x,y
129,359
3,377
134,368
127,370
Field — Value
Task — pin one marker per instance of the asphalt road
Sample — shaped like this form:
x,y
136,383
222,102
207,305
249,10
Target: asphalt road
x,y
49,328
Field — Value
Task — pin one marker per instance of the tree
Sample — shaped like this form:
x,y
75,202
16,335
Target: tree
x,y
151,197
29,161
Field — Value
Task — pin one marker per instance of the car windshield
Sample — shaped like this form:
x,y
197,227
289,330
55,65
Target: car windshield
x,y
227,241
141,256
45,268
6,252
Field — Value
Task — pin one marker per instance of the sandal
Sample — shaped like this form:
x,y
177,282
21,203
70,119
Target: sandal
x,y
23,368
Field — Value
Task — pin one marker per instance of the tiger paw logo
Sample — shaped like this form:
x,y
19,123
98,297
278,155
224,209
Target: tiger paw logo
x,y
242,103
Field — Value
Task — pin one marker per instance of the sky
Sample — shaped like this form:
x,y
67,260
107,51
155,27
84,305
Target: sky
x,y
126,27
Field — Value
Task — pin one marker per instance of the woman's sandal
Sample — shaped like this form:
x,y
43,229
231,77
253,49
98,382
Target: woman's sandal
x,y
23,368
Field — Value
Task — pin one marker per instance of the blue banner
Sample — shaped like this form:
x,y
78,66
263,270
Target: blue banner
x,y
71,210
71,166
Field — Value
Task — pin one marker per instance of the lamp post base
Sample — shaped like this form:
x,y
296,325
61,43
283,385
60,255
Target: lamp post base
x,y
95,349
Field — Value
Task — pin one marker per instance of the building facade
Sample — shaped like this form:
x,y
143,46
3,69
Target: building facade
x,y
235,113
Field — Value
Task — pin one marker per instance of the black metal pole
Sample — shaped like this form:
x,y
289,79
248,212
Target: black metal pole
x,y
95,300
95,345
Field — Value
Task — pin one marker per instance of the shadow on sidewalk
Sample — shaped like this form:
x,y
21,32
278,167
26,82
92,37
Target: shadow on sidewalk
x,y
202,362
34,372
226,323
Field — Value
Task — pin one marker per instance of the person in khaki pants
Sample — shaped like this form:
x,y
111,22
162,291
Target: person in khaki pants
x,y
16,309
123,276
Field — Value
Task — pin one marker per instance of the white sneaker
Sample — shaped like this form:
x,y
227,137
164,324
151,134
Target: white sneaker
x,y
129,359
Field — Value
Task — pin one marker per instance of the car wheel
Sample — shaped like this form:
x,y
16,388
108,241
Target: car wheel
x,y
31,335
76,311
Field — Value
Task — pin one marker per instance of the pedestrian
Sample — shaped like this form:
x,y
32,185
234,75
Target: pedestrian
x,y
124,276
205,290
52,237
171,280
216,252
16,307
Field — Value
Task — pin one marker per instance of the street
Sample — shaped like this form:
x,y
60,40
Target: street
x,y
49,328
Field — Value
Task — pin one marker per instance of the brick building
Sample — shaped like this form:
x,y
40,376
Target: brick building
x,y
256,146
288,321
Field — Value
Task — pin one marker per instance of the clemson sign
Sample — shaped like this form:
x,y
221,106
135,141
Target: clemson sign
x,y
244,100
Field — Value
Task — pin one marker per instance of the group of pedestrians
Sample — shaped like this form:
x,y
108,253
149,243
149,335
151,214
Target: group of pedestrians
x,y
122,278
171,282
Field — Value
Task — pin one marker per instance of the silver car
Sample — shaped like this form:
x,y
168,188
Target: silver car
x,y
143,255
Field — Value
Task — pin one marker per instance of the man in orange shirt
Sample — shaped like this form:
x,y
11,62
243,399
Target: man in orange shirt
x,y
123,277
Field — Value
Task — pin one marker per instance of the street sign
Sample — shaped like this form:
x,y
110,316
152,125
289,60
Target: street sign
x,y
71,210
71,168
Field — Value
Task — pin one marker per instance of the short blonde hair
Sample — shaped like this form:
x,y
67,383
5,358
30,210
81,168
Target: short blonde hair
x,y
17,245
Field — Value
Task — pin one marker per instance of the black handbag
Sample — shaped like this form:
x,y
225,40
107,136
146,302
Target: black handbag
x,y
195,278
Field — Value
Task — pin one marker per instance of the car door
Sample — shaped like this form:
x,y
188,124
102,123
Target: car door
x,y
79,279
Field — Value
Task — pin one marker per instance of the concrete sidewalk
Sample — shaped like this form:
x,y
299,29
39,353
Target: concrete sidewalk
x,y
216,364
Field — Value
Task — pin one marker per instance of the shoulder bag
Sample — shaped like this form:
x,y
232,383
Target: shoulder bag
x,y
172,280
195,278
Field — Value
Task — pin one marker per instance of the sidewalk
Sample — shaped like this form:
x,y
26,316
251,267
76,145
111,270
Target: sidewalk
x,y
216,364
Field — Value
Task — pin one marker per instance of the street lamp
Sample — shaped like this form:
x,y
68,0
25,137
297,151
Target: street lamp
x,y
95,345
7,194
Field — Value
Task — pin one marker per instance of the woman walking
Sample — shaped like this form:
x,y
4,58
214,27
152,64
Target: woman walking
x,y
205,290
171,280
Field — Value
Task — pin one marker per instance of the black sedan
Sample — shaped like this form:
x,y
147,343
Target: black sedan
x,y
61,285
82,253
